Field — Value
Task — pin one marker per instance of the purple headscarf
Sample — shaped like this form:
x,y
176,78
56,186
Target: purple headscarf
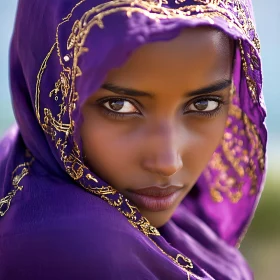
x,y
58,220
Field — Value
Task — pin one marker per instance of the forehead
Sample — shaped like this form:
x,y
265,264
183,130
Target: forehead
x,y
198,53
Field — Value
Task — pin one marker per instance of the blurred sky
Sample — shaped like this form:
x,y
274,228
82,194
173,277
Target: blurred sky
x,y
268,26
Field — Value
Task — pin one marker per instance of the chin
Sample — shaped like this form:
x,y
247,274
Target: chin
x,y
158,219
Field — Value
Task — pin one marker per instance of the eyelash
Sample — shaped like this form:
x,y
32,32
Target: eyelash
x,y
209,114
116,115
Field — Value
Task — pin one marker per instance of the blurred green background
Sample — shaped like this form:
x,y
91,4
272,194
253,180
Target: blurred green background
x,y
262,243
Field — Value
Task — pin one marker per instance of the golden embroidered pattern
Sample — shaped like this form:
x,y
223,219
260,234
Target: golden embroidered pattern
x,y
236,155
18,174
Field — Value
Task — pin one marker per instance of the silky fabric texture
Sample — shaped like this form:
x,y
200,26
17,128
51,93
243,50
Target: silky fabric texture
x,y
58,220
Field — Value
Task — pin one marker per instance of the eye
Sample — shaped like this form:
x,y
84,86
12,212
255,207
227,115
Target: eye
x,y
120,106
204,105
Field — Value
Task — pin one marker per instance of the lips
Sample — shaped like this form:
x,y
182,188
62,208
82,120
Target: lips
x,y
155,199
157,191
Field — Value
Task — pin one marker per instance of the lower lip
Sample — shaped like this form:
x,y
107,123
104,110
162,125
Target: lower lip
x,y
152,203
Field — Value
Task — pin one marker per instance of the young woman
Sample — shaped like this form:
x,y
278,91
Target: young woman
x,y
139,149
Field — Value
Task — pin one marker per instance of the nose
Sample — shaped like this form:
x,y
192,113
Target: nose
x,y
163,155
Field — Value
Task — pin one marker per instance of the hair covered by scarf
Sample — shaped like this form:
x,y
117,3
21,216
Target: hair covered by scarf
x,y
50,82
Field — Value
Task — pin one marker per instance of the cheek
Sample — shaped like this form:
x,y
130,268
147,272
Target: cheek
x,y
203,139
210,133
107,147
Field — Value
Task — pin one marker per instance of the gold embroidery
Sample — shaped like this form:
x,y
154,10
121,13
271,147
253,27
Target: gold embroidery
x,y
184,263
236,155
123,205
22,170
250,81
187,262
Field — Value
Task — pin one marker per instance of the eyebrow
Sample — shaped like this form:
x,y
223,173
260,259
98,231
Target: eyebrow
x,y
220,85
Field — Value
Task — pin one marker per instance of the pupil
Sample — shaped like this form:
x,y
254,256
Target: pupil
x,y
116,105
201,105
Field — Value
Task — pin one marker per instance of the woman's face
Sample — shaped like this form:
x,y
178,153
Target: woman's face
x,y
151,129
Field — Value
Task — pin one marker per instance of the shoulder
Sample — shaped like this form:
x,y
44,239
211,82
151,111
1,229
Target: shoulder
x,y
55,230
48,203
53,234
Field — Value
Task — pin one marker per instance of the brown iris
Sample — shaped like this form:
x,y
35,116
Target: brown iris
x,y
201,105
116,105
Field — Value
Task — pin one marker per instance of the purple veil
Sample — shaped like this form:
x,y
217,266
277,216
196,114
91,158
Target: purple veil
x,y
58,220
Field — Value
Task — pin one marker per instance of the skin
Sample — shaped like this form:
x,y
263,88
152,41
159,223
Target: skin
x,y
168,137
